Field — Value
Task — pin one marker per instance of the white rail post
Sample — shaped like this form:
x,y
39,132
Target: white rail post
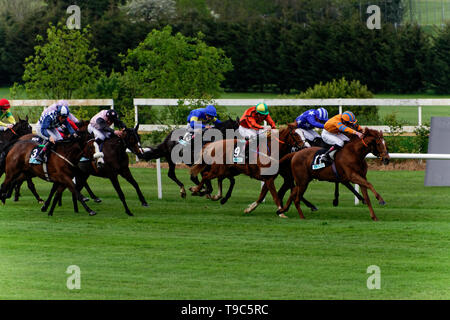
x,y
356,198
419,109
158,177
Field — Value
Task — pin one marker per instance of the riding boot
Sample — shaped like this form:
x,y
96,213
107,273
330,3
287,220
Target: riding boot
x,y
330,154
98,155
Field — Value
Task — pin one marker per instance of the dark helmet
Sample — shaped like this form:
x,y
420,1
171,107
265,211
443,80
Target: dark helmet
x,y
112,115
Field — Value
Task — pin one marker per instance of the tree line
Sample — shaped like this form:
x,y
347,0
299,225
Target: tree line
x,y
282,46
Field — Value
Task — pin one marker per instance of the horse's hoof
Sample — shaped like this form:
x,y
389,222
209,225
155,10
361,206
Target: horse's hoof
x,y
16,199
282,215
85,199
40,201
374,218
183,195
130,214
314,209
223,200
382,202
144,204
50,214
335,203
43,209
97,200
92,213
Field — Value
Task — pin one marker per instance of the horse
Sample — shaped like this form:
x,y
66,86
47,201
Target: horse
x,y
82,127
287,139
288,183
60,168
165,148
116,163
350,166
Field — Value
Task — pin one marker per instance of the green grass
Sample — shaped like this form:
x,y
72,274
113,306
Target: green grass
x,y
198,249
428,12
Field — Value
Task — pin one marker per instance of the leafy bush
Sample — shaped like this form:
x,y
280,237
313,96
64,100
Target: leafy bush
x,y
334,89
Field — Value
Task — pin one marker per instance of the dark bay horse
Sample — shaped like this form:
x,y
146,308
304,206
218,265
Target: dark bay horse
x,y
350,163
61,167
165,148
226,169
116,163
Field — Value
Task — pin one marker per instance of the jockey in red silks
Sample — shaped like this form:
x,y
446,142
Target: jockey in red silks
x,y
250,126
5,113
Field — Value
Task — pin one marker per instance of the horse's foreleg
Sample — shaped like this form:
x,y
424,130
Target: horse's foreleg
x,y
356,193
356,178
50,196
369,204
252,206
119,191
129,177
57,198
336,194
273,191
73,189
219,191
17,190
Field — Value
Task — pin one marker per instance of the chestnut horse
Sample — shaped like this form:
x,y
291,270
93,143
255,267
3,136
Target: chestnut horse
x,y
350,164
288,137
61,167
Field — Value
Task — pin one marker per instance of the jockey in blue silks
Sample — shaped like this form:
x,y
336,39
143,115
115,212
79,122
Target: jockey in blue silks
x,y
307,121
48,125
198,117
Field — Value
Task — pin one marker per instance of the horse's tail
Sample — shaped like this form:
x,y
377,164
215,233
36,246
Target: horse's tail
x,y
197,168
152,153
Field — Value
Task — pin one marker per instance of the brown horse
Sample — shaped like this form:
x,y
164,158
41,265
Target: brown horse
x,y
61,167
227,169
350,164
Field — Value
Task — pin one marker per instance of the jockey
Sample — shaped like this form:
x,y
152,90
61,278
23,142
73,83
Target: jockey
x,y
6,113
71,119
48,127
100,127
198,117
335,129
309,120
250,121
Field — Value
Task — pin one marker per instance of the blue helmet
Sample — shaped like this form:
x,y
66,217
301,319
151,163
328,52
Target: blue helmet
x,y
62,110
210,110
322,114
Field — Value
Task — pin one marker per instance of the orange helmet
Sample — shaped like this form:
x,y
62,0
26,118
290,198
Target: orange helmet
x,y
348,116
4,104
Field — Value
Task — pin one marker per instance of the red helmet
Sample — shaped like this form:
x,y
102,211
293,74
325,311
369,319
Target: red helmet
x,y
4,104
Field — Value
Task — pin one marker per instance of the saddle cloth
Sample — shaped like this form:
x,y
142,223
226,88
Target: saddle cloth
x,y
319,160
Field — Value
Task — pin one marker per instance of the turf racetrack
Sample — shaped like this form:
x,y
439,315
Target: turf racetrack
x,y
198,249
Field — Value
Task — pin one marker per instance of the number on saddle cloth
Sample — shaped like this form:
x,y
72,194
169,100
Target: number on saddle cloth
x,y
34,154
239,154
188,136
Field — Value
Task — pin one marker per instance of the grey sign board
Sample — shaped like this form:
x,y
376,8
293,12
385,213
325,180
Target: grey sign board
x,y
438,171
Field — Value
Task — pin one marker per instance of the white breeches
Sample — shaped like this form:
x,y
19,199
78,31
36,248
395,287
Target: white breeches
x,y
332,138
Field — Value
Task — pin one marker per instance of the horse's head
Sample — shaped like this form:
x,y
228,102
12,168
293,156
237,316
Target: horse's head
x,y
82,125
133,140
228,124
22,127
375,140
291,138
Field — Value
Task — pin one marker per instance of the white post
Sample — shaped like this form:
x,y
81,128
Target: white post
x,y
158,177
357,190
340,109
419,108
